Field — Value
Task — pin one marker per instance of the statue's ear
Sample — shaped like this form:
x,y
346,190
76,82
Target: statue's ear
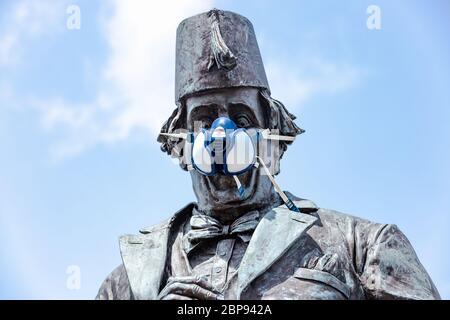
x,y
280,119
174,147
177,120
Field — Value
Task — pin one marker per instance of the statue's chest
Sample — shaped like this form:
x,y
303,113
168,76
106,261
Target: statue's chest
x,y
306,272
315,285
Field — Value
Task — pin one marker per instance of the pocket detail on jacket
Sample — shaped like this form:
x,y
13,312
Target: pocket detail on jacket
x,y
323,277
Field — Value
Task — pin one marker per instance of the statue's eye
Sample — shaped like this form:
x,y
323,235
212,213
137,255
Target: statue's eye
x,y
203,122
243,121
206,123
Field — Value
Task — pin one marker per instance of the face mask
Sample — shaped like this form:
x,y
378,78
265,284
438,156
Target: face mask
x,y
229,150
224,149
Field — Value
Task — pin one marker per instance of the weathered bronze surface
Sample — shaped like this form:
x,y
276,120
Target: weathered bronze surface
x,y
252,247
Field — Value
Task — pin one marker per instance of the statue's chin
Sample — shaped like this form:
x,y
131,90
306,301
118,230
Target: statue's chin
x,y
224,191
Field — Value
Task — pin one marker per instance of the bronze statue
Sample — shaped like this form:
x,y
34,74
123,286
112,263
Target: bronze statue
x,y
245,238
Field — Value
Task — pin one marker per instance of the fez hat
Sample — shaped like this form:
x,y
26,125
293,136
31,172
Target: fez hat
x,y
217,49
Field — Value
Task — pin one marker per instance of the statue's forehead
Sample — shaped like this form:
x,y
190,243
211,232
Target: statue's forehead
x,y
246,96
227,102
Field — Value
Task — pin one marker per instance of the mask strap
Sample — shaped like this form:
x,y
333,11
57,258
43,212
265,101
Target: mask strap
x,y
175,135
239,185
267,135
291,206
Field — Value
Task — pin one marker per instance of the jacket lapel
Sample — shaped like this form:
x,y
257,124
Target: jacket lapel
x,y
274,235
144,257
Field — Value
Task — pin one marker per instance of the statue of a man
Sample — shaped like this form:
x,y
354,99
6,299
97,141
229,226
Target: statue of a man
x,y
245,238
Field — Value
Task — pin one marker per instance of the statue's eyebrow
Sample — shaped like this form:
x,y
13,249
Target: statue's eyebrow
x,y
208,110
204,107
241,105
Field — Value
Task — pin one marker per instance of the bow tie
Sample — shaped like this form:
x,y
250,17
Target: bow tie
x,y
205,227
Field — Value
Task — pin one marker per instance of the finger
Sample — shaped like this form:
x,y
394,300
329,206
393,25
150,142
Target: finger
x,y
202,282
170,287
173,296
190,290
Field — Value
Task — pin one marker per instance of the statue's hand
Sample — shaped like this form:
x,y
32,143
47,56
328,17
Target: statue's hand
x,y
188,288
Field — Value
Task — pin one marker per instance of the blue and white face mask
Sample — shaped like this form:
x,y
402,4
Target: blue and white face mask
x,y
226,149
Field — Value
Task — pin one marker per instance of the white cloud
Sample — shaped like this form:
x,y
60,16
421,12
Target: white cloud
x,y
140,67
26,20
136,91
295,83
136,83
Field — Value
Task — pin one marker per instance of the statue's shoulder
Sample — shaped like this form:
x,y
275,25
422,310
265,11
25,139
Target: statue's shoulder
x,y
339,217
380,254
348,223
156,227
336,220
140,251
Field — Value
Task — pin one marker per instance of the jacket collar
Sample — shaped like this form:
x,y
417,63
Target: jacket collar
x,y
144,256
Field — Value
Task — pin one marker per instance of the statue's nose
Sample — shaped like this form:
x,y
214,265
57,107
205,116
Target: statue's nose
x,y
223,112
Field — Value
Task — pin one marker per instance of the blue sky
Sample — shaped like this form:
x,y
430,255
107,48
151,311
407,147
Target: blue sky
x,y
79,112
